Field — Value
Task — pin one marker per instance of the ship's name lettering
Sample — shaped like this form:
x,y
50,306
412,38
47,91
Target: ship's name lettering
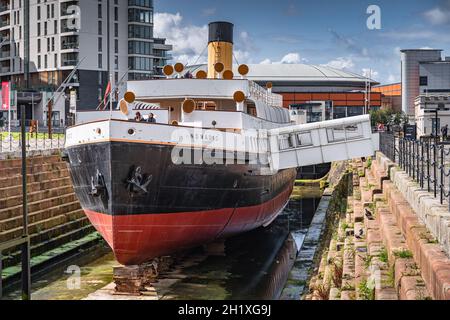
x,y
204,137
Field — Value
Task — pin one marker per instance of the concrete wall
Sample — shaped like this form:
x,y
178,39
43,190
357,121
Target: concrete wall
x,y
438,76
435,216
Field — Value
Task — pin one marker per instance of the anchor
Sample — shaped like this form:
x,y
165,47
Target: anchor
x,y
137,181
98,185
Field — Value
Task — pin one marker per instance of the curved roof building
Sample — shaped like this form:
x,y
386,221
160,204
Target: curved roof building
x,y
302,84
297,76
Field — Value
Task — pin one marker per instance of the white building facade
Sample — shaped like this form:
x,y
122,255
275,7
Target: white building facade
x,y
427,123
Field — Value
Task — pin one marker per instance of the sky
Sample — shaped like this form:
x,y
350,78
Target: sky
x,y
332,33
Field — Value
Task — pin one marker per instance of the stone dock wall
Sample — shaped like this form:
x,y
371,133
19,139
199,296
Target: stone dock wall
x,y
57,223
390,244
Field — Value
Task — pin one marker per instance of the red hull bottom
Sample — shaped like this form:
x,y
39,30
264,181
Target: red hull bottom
x,y
136,239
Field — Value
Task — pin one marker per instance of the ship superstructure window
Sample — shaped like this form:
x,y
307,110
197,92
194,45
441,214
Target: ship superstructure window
x,y
336,134
350,132
304,139
251,110
285,142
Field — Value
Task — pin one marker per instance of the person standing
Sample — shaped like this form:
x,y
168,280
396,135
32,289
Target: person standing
x,y
151,118
138,117
445,132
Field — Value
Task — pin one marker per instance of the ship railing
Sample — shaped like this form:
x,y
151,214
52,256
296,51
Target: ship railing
x,y
34,142
271,99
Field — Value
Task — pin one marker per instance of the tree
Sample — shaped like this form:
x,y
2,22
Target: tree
x,y
388,117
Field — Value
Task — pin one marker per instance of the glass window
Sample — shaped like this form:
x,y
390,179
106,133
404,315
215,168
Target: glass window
x,y
423,81
354,132
304,139
336,134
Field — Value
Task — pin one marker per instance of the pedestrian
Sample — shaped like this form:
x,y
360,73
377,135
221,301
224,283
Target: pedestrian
x,y
151,118
445,132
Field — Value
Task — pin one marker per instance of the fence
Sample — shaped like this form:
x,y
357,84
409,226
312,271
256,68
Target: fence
x,y
426,162
34,142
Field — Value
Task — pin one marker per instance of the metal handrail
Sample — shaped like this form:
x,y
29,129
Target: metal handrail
x,y
426,162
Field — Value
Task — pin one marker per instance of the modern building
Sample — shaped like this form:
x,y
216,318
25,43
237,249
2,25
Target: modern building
x,y
423,71
391,96
105,37
426,89
303,86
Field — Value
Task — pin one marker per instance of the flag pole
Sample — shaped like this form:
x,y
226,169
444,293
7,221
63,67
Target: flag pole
x,y
110,97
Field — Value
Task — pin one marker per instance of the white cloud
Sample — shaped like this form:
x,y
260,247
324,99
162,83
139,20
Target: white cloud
x,y
341,63
438,16
290,58
393,78
266,61
369,73
190,41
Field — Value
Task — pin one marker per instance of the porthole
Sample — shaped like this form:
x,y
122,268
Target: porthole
x,y
131,132
98,131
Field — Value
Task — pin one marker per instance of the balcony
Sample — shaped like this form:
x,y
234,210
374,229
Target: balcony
x,y
5,54
65,8
4,7
70,46
5,23
5,70
69,63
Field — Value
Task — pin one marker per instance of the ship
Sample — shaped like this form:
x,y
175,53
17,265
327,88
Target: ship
x,y
196,172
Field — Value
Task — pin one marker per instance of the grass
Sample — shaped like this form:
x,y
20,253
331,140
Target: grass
x,y
367,261
384,256
403,254
365,292
369,162
348,287
390,280
323,292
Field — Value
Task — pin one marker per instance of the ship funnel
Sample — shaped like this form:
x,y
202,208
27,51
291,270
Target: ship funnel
x,y
220,48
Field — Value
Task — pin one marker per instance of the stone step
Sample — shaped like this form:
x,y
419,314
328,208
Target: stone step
x,y
35,186
37,206
42,225
32,178
64,207
12,172
51,239
35,196
31,161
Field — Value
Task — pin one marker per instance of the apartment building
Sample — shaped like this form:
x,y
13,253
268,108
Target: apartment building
x,y
105,37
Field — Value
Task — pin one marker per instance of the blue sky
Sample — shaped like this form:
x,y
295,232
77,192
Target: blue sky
x,y
321,32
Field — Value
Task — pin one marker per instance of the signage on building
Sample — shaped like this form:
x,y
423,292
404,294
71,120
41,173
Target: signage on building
x,y
73,101
410,132
6,103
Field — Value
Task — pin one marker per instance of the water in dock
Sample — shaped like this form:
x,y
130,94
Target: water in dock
x,y
254,265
